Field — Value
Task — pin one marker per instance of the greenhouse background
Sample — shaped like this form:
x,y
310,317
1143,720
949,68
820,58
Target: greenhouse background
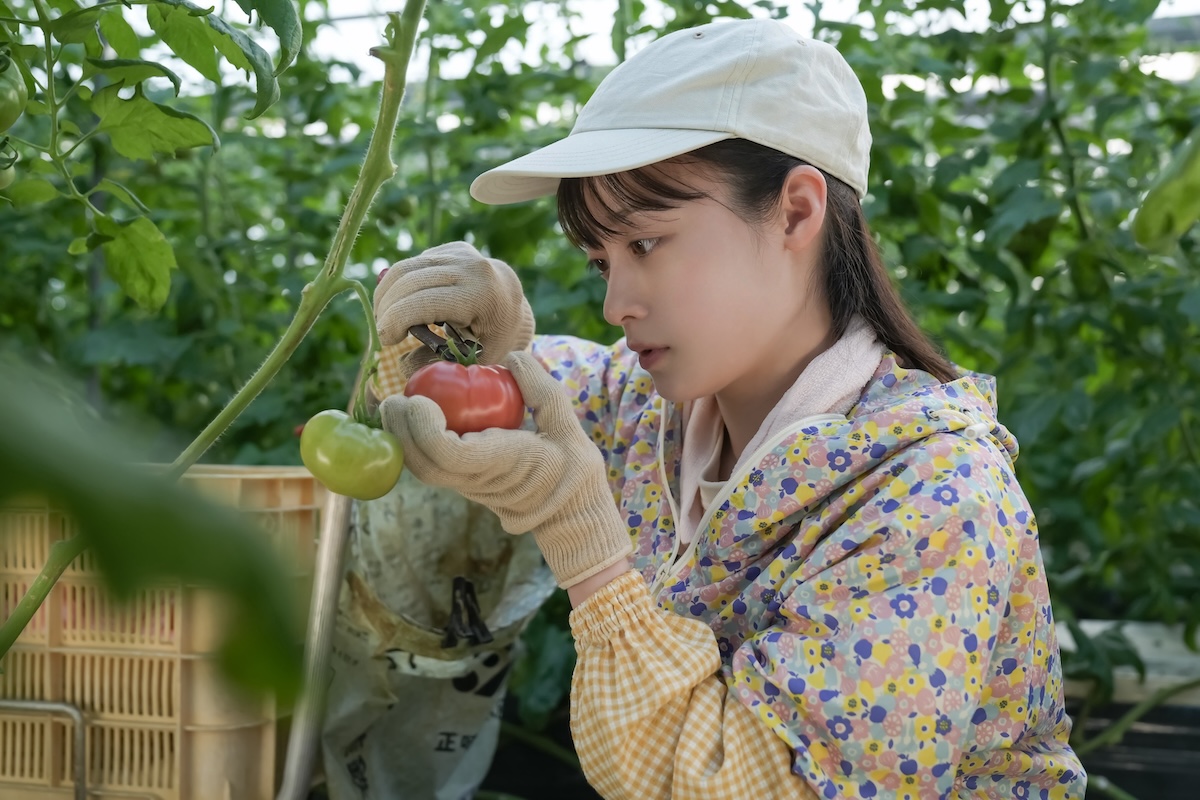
x,y
1013,146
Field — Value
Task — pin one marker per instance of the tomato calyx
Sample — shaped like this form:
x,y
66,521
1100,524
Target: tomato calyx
x,y
467,358
463,348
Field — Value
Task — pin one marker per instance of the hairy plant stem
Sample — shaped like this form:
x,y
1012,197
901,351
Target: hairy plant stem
x,y
62,553
377,168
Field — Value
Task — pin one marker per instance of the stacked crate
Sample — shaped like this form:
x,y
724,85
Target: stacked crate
x,y
159,720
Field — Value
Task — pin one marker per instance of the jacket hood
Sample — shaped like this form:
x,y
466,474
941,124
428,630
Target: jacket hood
x,y
823,460
967,402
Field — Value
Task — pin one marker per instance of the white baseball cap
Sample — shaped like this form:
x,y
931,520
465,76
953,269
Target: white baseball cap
x,y
747,79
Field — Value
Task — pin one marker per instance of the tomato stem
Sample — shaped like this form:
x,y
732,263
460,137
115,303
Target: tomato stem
x,y
367,368
471,356
62,553
378,166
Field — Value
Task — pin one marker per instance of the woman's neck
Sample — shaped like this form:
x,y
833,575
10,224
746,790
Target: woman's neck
x,y
745,405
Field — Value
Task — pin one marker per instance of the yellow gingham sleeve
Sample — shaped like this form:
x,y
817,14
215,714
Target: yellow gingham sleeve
x,y
389,378
650,715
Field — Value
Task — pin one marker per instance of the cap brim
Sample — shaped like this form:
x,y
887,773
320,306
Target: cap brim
x,y
582,155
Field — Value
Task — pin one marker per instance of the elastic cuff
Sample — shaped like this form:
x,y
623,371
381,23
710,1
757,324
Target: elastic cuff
x,y
567,583
612,607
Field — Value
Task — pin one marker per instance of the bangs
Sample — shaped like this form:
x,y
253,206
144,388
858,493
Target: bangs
x,y
597,209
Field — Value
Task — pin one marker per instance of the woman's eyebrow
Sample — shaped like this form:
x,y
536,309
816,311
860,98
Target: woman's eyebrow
x,y
641,219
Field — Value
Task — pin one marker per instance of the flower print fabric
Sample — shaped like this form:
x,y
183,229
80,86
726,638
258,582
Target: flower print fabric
x,y
871,592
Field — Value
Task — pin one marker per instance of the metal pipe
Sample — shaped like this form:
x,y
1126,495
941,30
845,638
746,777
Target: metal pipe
x,y
322,615
76,716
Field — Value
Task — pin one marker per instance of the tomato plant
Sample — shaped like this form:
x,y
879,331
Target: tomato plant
x,y
474,397
349,457
125,121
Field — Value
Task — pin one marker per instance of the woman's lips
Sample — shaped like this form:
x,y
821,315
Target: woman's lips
x,y
649,357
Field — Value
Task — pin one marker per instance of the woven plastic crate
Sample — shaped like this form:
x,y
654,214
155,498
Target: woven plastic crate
x,y
159,721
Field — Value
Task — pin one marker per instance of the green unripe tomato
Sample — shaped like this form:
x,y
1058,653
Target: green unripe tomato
x,y
13,97
350,458
7,176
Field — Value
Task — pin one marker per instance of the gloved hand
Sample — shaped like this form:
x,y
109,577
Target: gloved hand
x,y
481,297
552,482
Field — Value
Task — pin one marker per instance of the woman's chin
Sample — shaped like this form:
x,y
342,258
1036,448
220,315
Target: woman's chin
x,y
676,394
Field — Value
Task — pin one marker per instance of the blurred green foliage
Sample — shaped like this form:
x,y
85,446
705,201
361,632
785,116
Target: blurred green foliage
x,y
144,528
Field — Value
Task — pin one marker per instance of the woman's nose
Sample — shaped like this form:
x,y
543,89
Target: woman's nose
x,y
622,298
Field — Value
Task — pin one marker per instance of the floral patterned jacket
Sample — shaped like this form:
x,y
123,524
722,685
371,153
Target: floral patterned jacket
x,y
873,587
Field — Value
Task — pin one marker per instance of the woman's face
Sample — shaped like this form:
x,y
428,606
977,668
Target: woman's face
x,y
713,304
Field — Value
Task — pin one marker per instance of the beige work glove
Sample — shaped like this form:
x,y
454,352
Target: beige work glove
x,y
551,482
481,298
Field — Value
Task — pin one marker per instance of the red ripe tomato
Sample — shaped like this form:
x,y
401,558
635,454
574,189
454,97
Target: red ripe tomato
x,y
473,398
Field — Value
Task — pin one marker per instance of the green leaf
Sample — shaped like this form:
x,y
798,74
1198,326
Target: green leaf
x,y
140,128
78,246
77,26
187,36
266,87
1025,206
31,191
140,259
120,34
135,343
122,193
233,54
129,71
1189,306
95,240
1035,417
145,528
283,17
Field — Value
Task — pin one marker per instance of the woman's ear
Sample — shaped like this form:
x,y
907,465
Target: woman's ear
x,y
803,207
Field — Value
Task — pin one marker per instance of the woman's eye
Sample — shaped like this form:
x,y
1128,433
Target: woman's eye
x,y
598,264
643,246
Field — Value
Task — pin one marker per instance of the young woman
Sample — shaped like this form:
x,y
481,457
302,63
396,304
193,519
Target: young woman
x,y
798,556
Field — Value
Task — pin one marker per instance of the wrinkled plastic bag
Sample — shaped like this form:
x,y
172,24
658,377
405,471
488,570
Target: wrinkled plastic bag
x,y
434,600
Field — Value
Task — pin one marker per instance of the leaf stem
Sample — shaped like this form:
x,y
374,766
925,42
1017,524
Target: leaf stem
x,y
84,138
1114,732
27,144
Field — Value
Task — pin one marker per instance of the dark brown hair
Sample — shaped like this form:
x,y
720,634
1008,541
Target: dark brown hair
x,y
853,273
